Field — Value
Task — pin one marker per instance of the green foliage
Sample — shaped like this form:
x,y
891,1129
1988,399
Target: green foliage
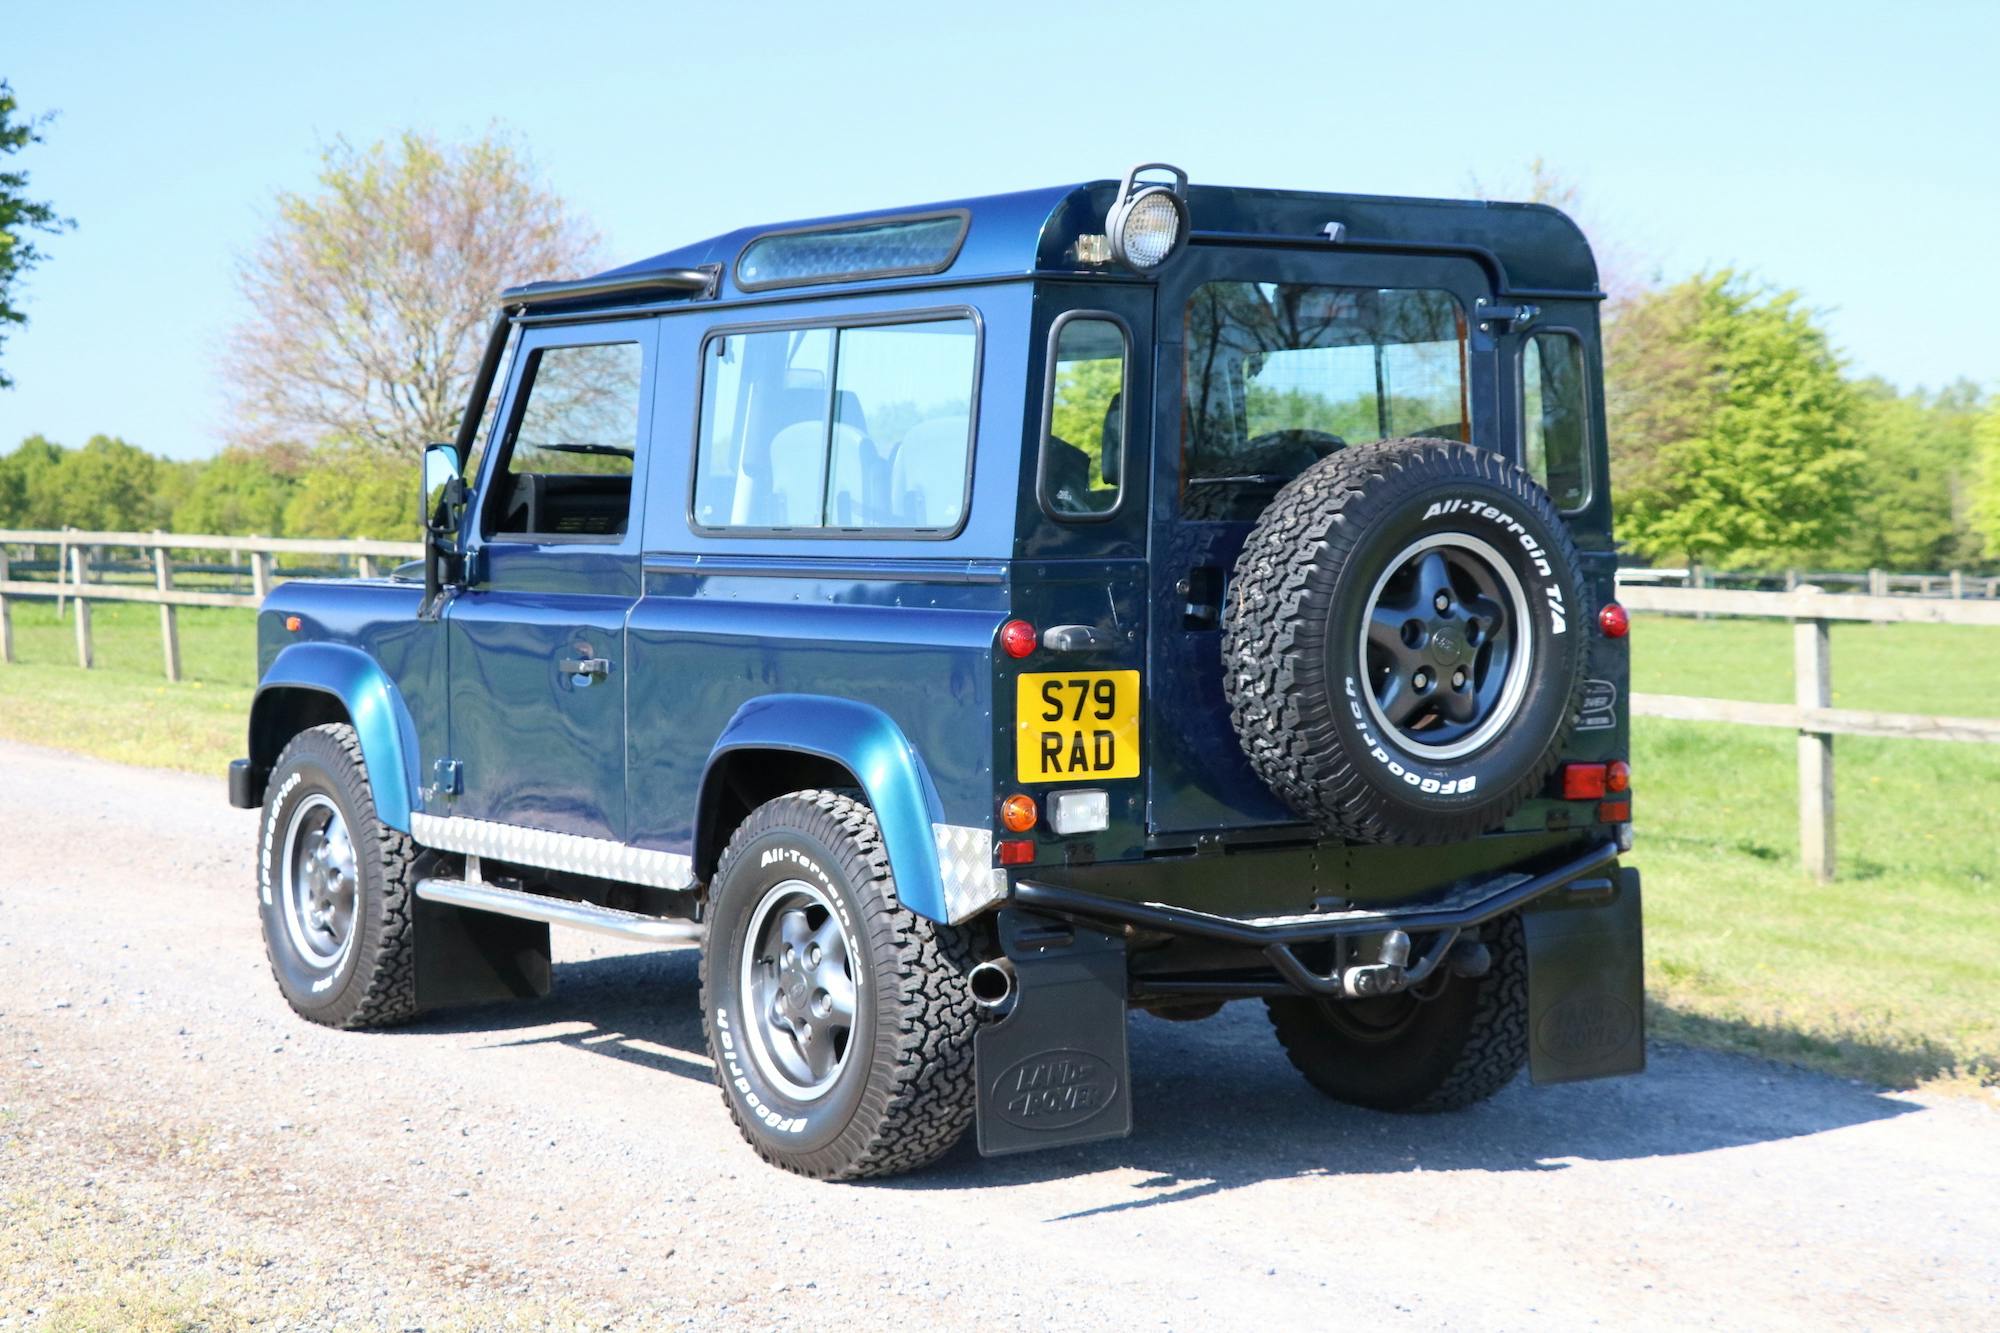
x,y
238,492
1084,389
1733,434
1985,500
355,490
1914,512
108,485
19,215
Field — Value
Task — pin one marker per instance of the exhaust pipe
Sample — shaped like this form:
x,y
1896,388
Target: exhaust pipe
x,y
992,985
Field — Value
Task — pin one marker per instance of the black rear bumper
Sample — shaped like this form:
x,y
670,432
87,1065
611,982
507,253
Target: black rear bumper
x,y
1443,917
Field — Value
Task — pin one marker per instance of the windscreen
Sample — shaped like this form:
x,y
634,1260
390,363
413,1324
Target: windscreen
x,y
1279,375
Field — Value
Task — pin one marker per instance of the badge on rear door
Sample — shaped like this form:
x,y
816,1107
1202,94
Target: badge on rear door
x,y
1074,726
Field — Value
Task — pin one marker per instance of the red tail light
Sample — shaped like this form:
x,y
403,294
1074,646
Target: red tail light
x,y
1617,776
1016,852
1613,621
1615,812
1584,782
1017,638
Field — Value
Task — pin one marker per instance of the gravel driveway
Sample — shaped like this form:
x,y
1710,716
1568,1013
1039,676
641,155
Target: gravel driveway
x,y
171,1136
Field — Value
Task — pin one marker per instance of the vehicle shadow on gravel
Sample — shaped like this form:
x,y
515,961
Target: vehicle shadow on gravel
x,y
1217,1106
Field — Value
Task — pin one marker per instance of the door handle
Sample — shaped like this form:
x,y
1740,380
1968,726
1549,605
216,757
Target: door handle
x,y
584,666
1076,639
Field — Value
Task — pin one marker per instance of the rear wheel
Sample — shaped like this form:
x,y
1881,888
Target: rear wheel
x,y
840,1022
1402,1053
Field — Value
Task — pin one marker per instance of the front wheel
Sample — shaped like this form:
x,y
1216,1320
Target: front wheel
x,y
1402,1053
334,888
840,1022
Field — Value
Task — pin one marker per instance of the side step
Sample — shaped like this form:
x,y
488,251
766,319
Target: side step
x,y
559,911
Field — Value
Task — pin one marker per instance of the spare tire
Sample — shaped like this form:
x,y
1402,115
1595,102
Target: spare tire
x,y
1403,648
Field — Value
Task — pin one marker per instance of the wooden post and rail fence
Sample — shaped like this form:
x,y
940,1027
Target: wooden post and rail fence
x,y
78,554
1811,714
1954,599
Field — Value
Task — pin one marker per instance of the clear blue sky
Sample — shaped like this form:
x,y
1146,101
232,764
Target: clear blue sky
x,y
1852,151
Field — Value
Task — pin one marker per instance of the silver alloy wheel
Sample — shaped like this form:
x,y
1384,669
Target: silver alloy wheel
x,y
1446,646
798,989
321,884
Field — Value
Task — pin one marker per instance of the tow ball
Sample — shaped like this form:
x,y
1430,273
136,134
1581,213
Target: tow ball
x,y
1392,970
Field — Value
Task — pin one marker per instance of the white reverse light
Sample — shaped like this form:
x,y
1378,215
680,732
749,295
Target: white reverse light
x,y
1086,811
1148,223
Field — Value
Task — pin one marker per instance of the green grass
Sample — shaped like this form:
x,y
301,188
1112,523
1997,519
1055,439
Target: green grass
x,y
123,709
1892,974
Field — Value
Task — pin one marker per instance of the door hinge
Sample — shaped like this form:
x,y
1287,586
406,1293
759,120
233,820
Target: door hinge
x,y
447,779
1499,317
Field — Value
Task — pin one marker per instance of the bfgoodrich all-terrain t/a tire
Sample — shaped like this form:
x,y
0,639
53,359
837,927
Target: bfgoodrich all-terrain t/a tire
x,y
840,1022
1404,648
334,888
1400,1053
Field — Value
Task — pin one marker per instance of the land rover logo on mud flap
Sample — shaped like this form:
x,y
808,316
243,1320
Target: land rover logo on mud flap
x,y
1586,1027
1054,1089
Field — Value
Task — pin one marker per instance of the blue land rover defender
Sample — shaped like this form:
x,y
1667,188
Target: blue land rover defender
x,y
972,622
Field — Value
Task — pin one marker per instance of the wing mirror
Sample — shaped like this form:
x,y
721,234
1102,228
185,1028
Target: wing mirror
x,y
442,509
443,500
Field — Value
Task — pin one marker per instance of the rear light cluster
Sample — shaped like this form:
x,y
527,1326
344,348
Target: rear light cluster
x,y
1597,782
1612,621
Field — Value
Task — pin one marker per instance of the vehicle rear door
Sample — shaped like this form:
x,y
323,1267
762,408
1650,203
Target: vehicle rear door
x,y
537,636
1269,357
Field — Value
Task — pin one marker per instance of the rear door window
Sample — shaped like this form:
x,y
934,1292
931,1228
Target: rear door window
x,y
1278,375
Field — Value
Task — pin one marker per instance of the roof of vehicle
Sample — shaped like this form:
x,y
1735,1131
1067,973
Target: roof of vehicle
x,y
1529,249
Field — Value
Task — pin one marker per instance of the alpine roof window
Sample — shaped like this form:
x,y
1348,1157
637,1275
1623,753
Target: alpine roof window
x,y
881,248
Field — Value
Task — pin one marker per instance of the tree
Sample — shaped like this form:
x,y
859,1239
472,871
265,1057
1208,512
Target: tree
x,y
19,215
1733,434
108,486
354,490
31,486
238,492
1986,492
1918,450
371,296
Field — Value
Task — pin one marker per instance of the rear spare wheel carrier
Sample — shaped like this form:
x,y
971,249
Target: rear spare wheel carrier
x,y
1403,651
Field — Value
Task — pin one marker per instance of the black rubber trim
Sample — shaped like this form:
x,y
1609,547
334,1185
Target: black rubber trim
x,y
246,791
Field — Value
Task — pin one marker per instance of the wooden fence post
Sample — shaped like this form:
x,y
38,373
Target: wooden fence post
x,y
79,564
260,574
1791,580
62,567
170,634
364,566
1957,585
1812,680
6,614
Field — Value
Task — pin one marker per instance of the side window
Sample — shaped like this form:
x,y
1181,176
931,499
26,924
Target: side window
x,y
1555,417
852,429
567,467
1083,434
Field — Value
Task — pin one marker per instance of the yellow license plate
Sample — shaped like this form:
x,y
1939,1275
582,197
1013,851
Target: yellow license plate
x,y
1074,726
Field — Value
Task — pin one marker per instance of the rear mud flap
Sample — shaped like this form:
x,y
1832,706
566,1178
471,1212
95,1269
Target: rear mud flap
x,y
1586,981
1053,1071
467,957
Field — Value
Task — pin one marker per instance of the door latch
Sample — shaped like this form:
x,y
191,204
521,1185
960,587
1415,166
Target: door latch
x,y
584,666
